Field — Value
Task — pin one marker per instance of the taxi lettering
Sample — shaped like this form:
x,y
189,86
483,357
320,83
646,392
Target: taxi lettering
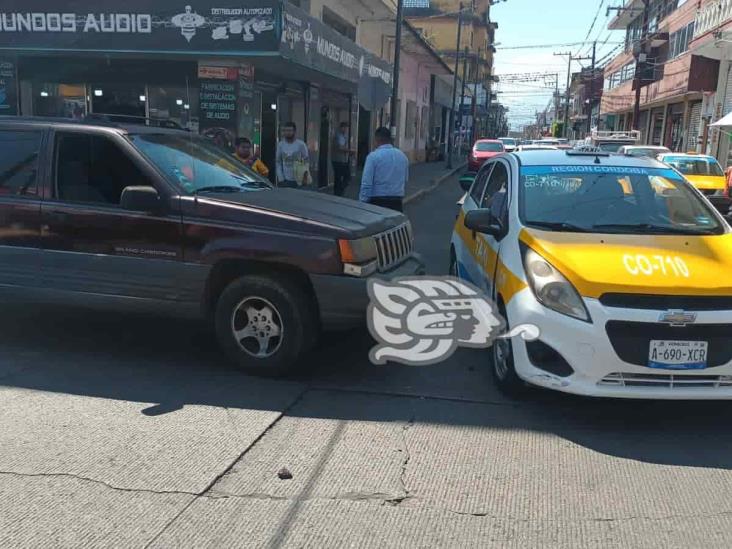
x,y
650,265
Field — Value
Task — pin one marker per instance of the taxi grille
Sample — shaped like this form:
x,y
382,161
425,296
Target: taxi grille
x,y
632,340
664,381
667,302
394,246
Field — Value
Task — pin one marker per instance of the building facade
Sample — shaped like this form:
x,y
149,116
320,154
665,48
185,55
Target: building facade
x,y
674,80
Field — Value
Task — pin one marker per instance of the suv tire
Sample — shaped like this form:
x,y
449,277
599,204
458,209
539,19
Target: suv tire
x,y
265,325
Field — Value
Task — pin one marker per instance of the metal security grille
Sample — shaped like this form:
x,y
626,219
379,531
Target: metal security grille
x,y
394,246
694,126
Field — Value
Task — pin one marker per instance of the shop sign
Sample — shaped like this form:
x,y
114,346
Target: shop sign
x,y
223,27
8,87
217,73
218,109
311,43
247,110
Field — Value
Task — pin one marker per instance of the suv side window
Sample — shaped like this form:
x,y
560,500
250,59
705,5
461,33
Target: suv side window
x,y
496,192
480,182
19,162
93,169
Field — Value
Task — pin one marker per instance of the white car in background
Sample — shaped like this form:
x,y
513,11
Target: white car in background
x,y
509,143
650,151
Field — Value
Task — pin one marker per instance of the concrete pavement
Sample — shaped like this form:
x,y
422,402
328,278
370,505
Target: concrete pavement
x,y
131,431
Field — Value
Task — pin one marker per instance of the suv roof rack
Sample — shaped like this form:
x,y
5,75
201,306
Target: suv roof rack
x,y
605,135
575,152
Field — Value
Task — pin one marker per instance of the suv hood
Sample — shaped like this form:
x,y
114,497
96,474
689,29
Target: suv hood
x,y
601,263
324,213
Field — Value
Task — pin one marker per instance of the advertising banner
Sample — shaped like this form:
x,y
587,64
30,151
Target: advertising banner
x,y
8,87
173,26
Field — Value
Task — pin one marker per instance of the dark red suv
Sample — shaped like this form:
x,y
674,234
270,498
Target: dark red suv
x,y
163,220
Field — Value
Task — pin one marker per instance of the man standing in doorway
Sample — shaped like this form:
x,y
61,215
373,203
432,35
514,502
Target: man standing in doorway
x,y
292,159
385,174
341,160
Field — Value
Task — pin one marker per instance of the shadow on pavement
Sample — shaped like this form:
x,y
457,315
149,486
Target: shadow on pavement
x,y
172,364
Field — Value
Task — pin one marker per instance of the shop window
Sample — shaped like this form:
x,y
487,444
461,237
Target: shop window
x,y
19,163
60,100
174,104
119,102
339,24
92,169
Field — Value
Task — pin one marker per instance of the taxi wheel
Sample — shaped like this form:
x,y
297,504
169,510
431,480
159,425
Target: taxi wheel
x,y
504,370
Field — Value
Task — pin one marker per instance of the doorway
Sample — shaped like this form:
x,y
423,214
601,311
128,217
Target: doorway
x,y
269,137
324,147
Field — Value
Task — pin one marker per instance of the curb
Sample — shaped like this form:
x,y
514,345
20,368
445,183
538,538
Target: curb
x,y
435,183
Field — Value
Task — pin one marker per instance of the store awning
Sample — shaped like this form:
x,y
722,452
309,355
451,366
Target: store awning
x,y
724,121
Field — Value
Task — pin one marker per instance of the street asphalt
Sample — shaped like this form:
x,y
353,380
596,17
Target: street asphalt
x,y
130,431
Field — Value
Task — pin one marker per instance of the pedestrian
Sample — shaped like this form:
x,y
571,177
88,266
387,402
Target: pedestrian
x,y
385,174
292,159
244,154
341,160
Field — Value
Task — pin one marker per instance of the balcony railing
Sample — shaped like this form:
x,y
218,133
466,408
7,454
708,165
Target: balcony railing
x,y
712,15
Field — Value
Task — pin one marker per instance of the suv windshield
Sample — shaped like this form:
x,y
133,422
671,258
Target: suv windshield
x,y
607,199
196,164
694,166
483,146
509,141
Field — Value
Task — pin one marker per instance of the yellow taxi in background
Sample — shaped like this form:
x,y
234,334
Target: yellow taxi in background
x,y
620,263
705,173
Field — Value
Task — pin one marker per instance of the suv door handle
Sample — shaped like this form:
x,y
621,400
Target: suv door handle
x,y
58,215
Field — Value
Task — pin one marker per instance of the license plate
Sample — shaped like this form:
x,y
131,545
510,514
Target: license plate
x,y
678,355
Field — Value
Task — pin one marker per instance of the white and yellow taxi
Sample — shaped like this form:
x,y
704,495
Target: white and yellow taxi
x,y
705,173
622,265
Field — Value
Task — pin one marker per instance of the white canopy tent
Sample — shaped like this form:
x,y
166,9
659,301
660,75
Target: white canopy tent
x,y
724,121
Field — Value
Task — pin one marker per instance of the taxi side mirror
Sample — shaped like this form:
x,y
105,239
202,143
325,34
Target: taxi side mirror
x,y
483,221
466,181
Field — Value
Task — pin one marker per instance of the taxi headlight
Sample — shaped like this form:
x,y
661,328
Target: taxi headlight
x,y
551,288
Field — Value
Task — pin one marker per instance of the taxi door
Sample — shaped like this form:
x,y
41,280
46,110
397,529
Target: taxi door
x,y
488,247
468,267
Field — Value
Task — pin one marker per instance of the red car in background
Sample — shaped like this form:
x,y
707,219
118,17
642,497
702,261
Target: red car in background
x,y
482,151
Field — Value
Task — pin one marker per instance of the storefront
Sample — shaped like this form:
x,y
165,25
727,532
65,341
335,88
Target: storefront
x,y
220,69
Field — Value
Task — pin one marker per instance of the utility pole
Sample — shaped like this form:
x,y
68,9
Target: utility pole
x,y
475,99
592,88
462,94
640,65
451,129
395,79
569,83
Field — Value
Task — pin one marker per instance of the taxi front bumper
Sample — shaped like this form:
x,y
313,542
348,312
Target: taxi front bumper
x,y
606,358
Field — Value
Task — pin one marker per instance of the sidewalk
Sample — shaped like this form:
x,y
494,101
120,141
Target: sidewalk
x,y
423,178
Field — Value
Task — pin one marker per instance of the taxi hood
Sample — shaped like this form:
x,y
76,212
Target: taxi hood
x,y
597,264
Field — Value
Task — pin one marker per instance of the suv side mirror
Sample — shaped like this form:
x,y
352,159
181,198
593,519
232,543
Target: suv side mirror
x,y
140,199
483,221
466,181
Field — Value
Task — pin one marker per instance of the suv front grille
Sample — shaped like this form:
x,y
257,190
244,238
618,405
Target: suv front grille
x,y
664,381
394,246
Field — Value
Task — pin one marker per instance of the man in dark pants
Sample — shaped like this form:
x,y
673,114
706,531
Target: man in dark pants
x,y
385,174
341,160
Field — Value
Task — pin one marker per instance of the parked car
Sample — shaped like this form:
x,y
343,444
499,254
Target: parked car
x,y
509,143
163,220
649,151
705,173
483,149
523,148
619,263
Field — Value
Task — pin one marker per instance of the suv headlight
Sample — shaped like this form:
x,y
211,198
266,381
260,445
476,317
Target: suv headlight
x,y
551,288
359,257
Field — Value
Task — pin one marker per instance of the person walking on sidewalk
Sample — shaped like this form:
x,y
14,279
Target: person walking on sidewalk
x,y
341,160
385,174
292,159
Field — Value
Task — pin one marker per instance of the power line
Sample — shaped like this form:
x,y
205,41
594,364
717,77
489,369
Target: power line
x,y
565,45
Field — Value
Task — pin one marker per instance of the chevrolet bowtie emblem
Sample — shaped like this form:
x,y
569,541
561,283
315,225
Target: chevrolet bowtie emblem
x,y
677,318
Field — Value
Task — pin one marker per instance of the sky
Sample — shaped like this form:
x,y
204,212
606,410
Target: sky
x,y
546,23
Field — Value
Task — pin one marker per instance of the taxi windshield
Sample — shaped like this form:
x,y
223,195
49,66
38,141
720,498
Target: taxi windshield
x,y
695,165
606,199
197,164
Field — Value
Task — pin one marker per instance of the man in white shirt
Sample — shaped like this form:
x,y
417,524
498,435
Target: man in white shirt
x,y
341,160
291,151
385,174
